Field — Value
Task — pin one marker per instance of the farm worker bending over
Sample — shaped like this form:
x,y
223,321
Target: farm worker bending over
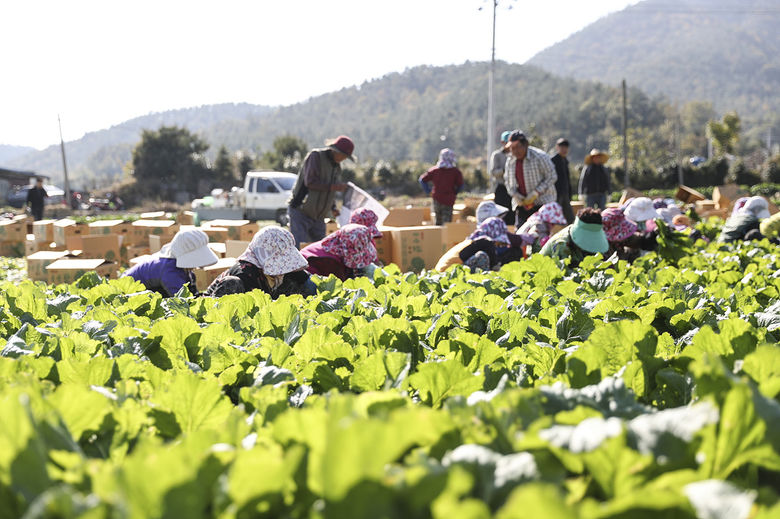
x,y
489,245
271,263
741,224
171,268
641,211
548,220
314,195
594,180
622,235
447,181
489,209
346,253
585,236
529,177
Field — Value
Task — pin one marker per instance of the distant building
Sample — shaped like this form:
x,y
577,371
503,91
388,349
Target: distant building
x,y
12,178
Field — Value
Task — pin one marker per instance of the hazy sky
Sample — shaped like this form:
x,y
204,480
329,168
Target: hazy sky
x,y
98,63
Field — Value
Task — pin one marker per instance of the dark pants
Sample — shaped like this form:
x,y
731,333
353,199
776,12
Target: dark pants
x,y
443,213
522,214
596,200
565,204
502,198
37,212
303,228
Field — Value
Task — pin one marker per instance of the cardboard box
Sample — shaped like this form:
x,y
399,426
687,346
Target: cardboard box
x,y
417,248
154,215
12,248
97,246
384,245
688,195
205,276
156,242
724,196
68,270
38,261
218,249
628,194
216,234
30,245
456,232
13,230
236,229
331,227
68,228
235,248
185,218
577,206
142,229
703,206
43,230
133,251
407,217
118,227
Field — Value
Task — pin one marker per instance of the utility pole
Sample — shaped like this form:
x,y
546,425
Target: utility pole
x,y
680,179
64,164
491,122
625,136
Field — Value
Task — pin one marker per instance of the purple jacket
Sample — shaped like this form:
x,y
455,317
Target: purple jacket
x,y
162,275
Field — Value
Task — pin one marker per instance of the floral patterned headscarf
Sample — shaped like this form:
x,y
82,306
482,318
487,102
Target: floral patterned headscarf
x,y
366,217
273,250
552,213
493,228
446,159
616,226
353,245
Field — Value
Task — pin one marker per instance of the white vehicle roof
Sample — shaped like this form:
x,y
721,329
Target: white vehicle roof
x,y
267,174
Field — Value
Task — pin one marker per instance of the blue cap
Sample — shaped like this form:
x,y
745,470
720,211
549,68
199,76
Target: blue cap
x,y
505,136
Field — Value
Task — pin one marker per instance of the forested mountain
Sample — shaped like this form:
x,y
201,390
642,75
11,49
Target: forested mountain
x,y
9,153
409,115
724,51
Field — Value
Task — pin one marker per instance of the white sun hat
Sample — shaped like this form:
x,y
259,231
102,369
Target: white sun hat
x,y
758,206
488,209
190,248
640,209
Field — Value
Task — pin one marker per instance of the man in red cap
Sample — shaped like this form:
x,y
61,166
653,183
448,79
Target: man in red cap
x,y
314,195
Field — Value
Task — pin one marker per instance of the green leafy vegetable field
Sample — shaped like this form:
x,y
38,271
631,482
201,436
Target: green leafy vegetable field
x,y
613,390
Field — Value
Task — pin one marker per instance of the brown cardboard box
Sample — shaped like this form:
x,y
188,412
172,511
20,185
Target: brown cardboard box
x,y
135,251
407,217
384,245
43,230
235,248
118,227
68,270
688,195
30,245
236,229
38,261
185,218
416,248
216,234
156,242
218,249
98,246
13,230
628,194
724,196
12,249
331,227
204,276
154,215
703,206
68,228
577,205
456,232
142,229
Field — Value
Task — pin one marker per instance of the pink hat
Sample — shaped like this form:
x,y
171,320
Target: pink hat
x,y
353,245
616,227
367,217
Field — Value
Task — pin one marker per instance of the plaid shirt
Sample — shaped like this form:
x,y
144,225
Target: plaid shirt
x,y
539,173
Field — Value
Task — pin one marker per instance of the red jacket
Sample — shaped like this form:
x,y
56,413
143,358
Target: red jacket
x,y
446,182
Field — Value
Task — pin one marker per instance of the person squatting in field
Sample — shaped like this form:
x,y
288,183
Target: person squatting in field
x,y
271,263
167,271
347,253
489,246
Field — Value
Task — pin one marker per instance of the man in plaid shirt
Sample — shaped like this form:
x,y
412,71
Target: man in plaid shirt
x,y
529,176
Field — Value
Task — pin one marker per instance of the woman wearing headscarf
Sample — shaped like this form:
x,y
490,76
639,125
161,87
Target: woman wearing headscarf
x,y
270,263
367,218
347,253
548,220
167,271
489,245
447,181
585,236
622,235
641,211
746,219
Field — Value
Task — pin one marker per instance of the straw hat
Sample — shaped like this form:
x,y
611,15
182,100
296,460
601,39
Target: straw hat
x,y
595,152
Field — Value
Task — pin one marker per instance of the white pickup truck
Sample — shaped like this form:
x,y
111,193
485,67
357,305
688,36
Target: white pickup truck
x,y
263,197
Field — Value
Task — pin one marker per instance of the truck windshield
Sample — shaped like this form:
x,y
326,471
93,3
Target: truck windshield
x,y
286,183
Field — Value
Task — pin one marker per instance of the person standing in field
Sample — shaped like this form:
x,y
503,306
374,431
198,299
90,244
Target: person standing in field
x,y
563,184
594,181
529,177
447,181
497,164
314,195
36,198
